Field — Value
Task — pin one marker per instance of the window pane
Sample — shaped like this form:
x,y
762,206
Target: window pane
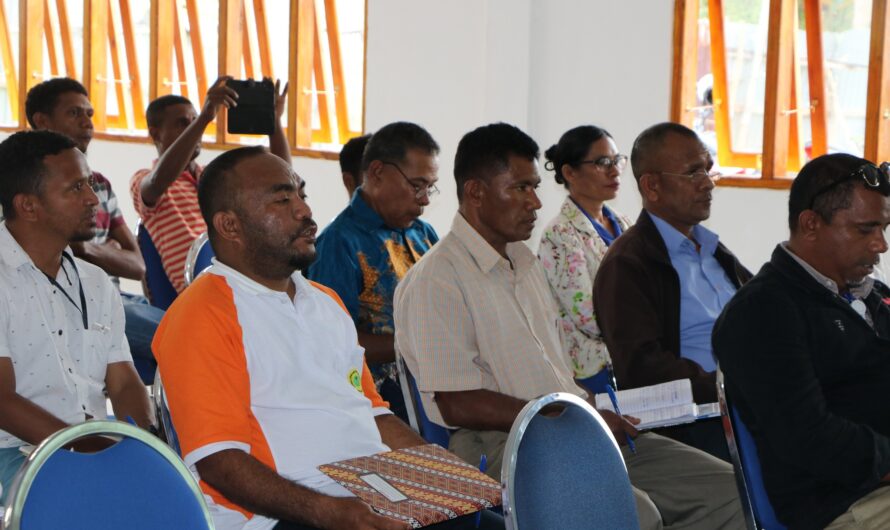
x,y
746,24
846,30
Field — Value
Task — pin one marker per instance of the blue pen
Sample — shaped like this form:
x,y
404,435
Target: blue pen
x,y
483,465
614,399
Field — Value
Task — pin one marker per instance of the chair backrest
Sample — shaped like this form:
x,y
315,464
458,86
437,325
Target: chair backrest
x,y
417,418
749,478
162,411
565,471
160,290
198,258
138,483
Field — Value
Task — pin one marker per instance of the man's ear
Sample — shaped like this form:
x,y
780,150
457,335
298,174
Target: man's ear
x,y
474,192
227,225
26,206
155,134
650,186
808,224
41,121
372,174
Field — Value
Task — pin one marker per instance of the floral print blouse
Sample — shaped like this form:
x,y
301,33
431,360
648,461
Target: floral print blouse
x,y
571,252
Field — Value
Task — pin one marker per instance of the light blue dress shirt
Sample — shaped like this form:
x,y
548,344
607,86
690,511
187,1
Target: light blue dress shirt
x,y
704,289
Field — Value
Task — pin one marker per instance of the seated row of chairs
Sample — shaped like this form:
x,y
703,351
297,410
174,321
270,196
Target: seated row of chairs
x,y
141,483
545,480
538,482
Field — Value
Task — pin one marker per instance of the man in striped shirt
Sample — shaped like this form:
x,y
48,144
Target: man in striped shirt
x,y
166,195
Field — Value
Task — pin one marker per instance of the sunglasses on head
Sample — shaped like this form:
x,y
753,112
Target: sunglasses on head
x,y
873,176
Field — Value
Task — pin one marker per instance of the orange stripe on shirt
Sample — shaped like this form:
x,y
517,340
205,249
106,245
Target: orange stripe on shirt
x,y
200,352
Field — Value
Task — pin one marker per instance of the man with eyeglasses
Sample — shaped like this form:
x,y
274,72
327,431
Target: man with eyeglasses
x,y
805,350
369,246
664,282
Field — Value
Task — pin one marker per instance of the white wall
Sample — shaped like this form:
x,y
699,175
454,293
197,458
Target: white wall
x,y
543,65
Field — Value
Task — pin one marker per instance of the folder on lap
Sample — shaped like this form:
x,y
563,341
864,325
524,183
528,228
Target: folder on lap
x,y
420,485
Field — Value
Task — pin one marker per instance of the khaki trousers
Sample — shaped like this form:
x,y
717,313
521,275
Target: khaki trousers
x,y
675,486
871,512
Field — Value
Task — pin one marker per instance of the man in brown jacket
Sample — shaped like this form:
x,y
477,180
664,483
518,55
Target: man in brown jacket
x,y
665,281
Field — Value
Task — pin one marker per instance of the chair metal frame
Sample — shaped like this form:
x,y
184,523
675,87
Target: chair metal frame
x,y
191,259
726,412
511,449
162,413
42,453
413,406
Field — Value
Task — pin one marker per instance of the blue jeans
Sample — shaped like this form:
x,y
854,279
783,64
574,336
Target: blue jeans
x,y
142,320
11,459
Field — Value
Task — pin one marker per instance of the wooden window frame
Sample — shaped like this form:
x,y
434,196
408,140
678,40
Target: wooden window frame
x,y
109,46
781,151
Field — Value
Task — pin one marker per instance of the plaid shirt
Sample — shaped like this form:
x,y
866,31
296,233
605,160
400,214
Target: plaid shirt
x,y
108,216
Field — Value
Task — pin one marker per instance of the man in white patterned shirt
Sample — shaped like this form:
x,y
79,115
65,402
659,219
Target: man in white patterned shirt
x,y
62,344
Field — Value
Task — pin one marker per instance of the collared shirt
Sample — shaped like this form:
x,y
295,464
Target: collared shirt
x,y
571,250
58,365
857,291
174,222
251,369
363,260
469,319
704,288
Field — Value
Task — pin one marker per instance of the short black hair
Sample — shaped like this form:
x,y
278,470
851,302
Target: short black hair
x,y
392,142
154,114
648,144
43,96
351,155
572,148
825,185
485,152
215,190
21,157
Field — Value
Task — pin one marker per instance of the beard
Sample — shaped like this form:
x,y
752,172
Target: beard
x,y
277,257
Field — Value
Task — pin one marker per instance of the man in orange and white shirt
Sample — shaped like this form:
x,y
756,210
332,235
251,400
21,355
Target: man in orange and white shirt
x,y
262,368
166,196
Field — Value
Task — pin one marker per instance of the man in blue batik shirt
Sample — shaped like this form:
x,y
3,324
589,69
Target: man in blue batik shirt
x,y
371,244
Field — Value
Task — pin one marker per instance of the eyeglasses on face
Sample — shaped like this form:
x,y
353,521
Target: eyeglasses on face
x,y
697,176
873,176
420,190
605,163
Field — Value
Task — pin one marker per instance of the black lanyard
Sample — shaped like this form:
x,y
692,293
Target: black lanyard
x,y
82,309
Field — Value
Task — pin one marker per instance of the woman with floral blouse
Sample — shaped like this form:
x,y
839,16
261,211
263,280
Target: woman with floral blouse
x,y
585,161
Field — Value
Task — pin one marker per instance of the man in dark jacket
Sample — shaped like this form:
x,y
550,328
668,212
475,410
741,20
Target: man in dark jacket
x,y
805,349
665,281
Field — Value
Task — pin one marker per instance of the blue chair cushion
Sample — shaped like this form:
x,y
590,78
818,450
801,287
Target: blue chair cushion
x,y
128,485
160,288
763,508
569,475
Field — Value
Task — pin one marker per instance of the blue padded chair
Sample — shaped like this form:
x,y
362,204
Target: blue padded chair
x,y
565,471
598,382
162,410
138,483
749,478
417,418
198,258
160,291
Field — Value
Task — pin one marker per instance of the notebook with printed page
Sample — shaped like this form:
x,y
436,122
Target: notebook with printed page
x,y
420,485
